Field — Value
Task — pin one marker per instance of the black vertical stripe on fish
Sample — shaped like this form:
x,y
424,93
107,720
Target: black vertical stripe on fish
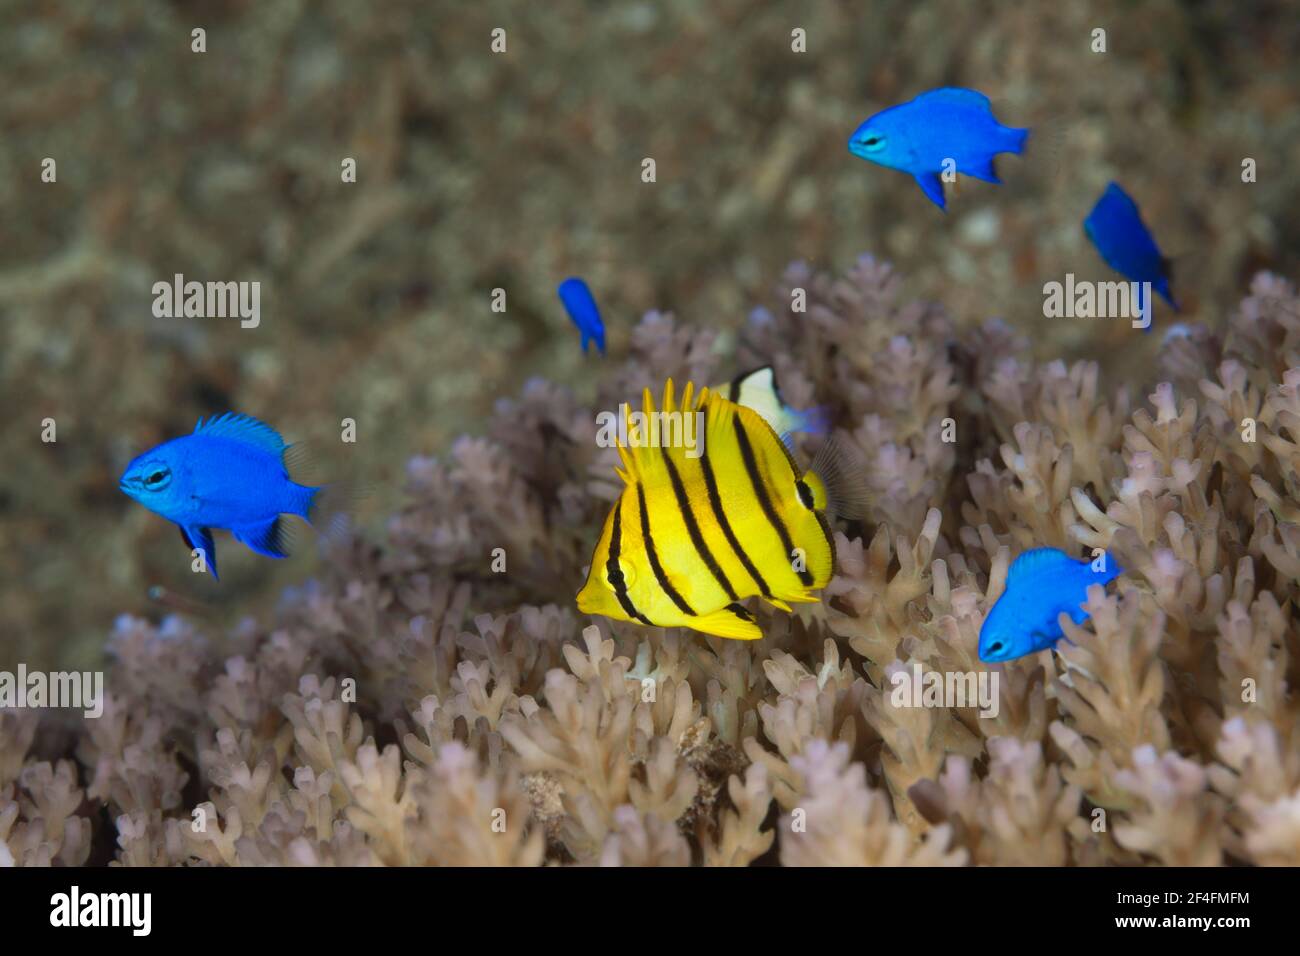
x,y
764,500
733,393
715,500
741,612
805,493
693,529
830,540
653,555
615,573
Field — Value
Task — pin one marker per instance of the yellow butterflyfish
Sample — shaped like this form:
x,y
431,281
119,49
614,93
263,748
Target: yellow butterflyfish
x,y
700,526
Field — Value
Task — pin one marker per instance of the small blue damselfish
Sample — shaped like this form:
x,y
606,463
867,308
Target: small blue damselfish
x,y
581,306
1115,227
945,129
231,473
1041,584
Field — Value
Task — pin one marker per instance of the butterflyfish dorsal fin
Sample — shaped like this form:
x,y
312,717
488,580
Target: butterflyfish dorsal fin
x,y
761,381
647,438
628,472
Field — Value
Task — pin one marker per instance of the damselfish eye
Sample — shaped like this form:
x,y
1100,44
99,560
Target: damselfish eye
x,y
155,478
873,140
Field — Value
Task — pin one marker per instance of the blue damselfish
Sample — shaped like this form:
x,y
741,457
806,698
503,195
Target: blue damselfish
x,y
231,473
1041,584
581,306
945,129
1115,227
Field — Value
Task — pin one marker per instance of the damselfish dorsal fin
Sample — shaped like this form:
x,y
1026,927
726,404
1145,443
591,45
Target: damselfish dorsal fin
x,y
957,94
242,428
1038,560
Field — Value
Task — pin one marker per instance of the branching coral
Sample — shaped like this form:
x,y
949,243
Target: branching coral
x,y
434,699
843,822
40,823
1021,814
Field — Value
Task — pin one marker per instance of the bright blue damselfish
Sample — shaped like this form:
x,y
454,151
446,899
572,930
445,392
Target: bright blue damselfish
x,y
230,473
581,306
1040,585
1115,227
918,137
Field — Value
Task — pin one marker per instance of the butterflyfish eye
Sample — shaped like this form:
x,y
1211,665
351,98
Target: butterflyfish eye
x,y
805,493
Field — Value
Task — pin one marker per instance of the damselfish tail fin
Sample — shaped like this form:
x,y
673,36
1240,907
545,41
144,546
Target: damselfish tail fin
x,y
1015,139
1046,151
329,507
332,508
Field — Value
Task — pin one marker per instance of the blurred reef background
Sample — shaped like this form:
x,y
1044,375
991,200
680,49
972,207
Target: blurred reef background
x,y
479,171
